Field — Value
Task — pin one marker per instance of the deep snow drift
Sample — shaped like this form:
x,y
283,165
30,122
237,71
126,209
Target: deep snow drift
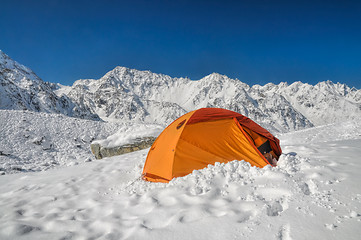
x,y
313,193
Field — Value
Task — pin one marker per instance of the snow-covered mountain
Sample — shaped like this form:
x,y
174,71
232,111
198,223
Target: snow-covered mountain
x,y
129,94
22,89
323,103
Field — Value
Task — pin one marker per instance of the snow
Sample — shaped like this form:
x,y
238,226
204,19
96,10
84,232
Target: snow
x,y
33,141
130,94
130,135
22,89
313,193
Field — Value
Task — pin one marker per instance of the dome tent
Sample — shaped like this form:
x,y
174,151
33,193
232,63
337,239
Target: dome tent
x,y
206,136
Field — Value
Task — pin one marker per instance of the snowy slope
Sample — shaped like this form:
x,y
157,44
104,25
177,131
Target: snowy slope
x,y
313,193
22,89
32,141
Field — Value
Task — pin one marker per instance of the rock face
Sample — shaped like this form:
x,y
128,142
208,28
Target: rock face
x,y
138,144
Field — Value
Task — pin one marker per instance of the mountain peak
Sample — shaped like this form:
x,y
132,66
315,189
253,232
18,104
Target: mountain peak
x,y
7,62
216,77
1,54
325,83
4,58
121,70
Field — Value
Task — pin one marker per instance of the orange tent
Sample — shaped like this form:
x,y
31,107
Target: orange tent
x,y
206,136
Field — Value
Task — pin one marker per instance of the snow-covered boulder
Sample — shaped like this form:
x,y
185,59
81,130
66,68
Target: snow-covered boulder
x,y
134,138
138,144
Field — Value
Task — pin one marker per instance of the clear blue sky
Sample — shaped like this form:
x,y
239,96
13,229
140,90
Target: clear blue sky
x,y
254,41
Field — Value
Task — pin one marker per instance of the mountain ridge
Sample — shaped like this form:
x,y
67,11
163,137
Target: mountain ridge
x,y
290,110
126,94
22,89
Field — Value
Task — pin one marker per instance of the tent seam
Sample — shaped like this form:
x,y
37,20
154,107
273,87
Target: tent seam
x,y
180,135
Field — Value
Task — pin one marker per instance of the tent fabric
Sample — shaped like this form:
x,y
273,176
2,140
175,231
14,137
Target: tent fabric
x,y
257,139
160,157
203,137
213,114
